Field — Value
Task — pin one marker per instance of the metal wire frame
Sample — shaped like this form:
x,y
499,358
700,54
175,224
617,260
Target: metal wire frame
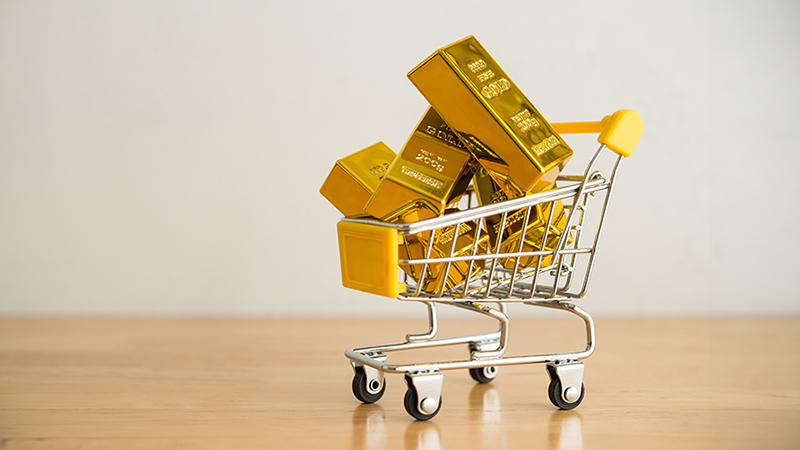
x,y
495,283
500,285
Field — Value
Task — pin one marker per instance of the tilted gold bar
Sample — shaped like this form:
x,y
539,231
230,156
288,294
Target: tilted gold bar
x,y
498,124
431,171
488,192
354,178
414,247
534,237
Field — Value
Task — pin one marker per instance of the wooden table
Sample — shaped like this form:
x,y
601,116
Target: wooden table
x,y
281,383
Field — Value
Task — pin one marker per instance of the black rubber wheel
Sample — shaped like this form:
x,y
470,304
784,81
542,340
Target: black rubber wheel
x,y
360,387
483,375
410,403
554,392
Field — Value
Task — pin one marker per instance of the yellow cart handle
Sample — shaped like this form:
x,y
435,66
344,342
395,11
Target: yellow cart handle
x,y
620,131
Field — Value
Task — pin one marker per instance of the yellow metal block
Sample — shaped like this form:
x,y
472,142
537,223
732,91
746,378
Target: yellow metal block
x,y
354,178
488,192
533,240
414,247
368,258
431,171
491,116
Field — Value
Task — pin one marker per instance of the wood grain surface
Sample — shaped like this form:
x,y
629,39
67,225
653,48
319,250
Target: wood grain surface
x,y
284,383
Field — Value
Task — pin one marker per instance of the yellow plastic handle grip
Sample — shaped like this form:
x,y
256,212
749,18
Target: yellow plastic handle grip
x,y
620,131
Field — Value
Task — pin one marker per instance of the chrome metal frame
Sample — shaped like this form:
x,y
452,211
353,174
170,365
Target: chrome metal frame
x,y
496,284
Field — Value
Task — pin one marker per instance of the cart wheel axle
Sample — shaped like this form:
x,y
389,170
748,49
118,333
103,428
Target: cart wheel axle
x,y
483,375
428,405
554,392
367,391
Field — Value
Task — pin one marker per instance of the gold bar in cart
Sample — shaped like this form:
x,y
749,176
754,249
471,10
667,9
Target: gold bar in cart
x,y
499,125
354,178
533,238
488,192
414,247
431,171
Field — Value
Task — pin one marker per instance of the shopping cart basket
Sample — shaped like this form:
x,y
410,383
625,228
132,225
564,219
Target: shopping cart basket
x,y
544,273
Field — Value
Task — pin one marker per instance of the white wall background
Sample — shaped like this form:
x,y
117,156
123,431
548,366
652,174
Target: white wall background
x,y
164,157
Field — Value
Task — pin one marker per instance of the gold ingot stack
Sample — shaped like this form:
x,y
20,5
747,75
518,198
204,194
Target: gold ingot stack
x,y
519,151
480,124
432,171
354,178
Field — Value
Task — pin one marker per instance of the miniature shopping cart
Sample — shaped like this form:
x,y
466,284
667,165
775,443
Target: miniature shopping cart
x,y
552,273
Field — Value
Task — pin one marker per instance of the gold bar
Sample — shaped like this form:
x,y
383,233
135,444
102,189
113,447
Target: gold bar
x,y
431,171
488,192
533,239
499,125
354,178
414,247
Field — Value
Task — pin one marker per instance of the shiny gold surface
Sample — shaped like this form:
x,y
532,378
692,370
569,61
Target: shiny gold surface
x,y
431,171
489,113
414,247
533,240
488,192
354,178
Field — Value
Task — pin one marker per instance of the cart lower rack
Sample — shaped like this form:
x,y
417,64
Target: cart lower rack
x,y
550,268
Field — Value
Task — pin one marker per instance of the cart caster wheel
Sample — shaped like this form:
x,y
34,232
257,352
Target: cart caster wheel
x,y
483,375
573,374
410,403
367,393
554,392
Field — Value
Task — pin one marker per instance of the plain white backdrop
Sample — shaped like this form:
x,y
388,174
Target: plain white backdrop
x,y
164,157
